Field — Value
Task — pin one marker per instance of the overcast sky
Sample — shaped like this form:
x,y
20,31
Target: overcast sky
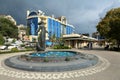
x,y
83,14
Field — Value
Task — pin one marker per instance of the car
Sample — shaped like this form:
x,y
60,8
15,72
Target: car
x,y
3,47
12,46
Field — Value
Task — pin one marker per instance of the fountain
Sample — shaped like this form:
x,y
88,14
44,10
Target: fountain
x,y
47,62
51,61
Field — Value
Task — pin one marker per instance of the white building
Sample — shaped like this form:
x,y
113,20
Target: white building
x,y
77,40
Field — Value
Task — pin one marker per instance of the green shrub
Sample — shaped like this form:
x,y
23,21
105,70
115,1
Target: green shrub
x,y
61,47
14,50
29,48
22,45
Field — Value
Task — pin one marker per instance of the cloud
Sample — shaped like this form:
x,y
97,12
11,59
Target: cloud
x,y
114,4
83,14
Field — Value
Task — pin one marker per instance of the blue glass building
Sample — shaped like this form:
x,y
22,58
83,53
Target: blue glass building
x,y
54,26
58,28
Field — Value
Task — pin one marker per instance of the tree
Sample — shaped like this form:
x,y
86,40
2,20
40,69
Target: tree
x,y
109,26
27,30
1,40
7,28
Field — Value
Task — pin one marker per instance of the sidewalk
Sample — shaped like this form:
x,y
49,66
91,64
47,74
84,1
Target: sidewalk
x,y
109,70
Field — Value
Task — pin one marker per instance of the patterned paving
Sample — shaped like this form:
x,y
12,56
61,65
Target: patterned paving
x,y
102,65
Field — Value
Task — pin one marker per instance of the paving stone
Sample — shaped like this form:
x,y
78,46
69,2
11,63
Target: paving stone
x,y
107,69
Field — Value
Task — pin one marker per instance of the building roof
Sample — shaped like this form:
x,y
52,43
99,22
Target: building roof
x,y
61,19
78,37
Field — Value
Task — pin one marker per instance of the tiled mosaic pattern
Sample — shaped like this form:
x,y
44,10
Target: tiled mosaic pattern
x,y
102,65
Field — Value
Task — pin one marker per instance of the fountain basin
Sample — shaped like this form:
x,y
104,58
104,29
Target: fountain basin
x,y
31,62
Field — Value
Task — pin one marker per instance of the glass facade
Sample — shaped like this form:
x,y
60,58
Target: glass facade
x,y
69,30
54,28
33,24
58,29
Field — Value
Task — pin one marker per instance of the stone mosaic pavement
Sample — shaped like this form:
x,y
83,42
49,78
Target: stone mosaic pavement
x,y
108,68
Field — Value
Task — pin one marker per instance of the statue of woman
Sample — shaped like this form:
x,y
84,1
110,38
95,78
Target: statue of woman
x,y
41,37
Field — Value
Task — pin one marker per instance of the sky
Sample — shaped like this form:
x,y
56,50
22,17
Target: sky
x,y
84,15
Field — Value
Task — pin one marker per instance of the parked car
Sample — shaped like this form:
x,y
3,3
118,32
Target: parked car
x,y
3,47
12,46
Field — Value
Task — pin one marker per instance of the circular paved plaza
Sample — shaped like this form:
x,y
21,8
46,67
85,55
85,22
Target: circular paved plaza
x,y
108,68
